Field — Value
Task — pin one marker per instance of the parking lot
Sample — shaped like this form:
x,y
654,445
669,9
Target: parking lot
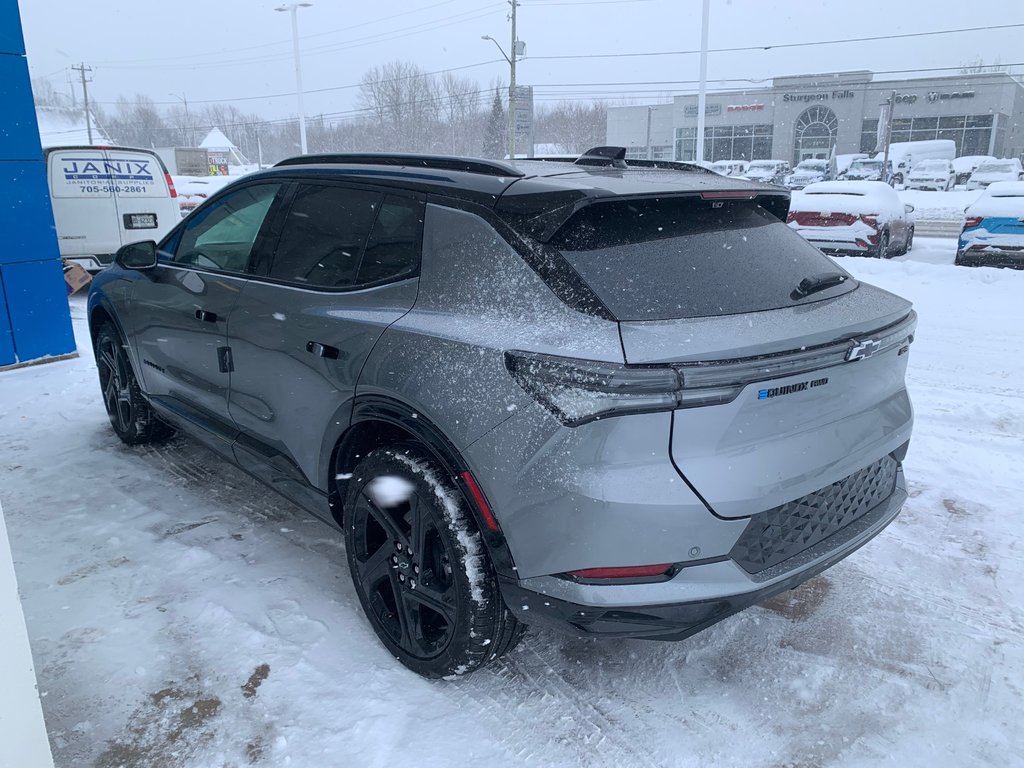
x,y
182,615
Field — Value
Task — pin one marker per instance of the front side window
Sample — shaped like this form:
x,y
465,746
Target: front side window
x,y
221,236
324,236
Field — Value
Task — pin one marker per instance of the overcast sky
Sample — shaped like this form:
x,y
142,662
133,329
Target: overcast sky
x,y
239,51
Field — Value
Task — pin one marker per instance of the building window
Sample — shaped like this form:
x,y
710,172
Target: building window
x,y
869,136
726,142
815,133
972,133
657,153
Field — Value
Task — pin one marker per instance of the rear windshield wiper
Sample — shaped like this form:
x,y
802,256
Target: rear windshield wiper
x,y
816,283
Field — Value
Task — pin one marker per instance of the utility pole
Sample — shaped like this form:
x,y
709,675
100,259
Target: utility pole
x,y
82,69
188,123
512,96
702,92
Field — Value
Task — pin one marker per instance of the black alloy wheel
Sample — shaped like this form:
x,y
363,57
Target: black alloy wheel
x,y
408,534
130,414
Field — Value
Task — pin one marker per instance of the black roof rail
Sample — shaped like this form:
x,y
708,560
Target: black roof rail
x,y
615,157
409,160
674,165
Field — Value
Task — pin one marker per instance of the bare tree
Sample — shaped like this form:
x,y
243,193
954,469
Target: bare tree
x,y
573,127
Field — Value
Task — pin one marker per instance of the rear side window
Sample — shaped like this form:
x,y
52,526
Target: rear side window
x,y
662,259
393,250
324,236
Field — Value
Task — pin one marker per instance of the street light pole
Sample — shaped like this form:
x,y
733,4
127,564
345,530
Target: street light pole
x,y
188,123
702,92
294,9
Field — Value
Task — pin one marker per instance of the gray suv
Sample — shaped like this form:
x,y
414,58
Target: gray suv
x,y
617,400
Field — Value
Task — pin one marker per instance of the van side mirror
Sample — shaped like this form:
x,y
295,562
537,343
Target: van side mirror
x,y
908,208
137,255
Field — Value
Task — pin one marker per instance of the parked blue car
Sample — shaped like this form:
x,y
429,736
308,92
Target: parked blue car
x,y
993,232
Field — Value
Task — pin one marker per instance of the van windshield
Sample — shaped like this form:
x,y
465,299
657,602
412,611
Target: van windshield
x,y
663,259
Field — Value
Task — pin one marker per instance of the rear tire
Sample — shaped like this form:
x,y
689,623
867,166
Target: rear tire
x,y
130,413
420,568
910,241
883,246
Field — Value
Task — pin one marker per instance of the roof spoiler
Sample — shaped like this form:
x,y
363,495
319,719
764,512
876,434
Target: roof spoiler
x,y
609,157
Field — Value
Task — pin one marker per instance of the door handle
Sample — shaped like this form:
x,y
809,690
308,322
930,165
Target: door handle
x,y
209,317
323,350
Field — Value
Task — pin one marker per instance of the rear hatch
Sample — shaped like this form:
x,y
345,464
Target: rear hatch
x,y
84,213
795,371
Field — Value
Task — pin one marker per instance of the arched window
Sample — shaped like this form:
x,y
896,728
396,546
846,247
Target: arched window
x,y
815,133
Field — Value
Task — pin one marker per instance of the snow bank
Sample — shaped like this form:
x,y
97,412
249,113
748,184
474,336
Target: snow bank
x,y
22,732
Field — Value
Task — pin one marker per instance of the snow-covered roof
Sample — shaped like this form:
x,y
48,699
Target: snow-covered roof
x,y
63,127
216,139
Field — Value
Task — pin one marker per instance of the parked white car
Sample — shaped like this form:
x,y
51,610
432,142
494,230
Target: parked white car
x,y
1007,169
106,197
768,171
966,165
807,172
854,218
729,167
932,174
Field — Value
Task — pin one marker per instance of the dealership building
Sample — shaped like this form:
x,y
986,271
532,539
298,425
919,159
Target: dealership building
x,y
803,116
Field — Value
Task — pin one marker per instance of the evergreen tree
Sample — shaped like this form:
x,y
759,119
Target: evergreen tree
x,y
494,131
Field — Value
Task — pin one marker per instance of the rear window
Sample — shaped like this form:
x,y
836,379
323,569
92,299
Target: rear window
x,y
995,168
665,259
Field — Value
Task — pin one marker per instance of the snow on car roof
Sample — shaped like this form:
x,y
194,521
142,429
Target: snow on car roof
x,y
1005,189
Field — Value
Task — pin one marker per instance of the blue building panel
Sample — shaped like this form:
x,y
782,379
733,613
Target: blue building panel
x,y
11,39
37,307
26,216
19,131
7,355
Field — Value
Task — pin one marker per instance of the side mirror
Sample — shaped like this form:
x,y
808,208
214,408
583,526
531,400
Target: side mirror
x,y
137,255
908,208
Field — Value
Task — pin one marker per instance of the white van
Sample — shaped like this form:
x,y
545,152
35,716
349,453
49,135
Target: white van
x,y
106,197
904,155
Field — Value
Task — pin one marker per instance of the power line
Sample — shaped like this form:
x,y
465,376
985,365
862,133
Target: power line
x,y
282,42
359,42
779,45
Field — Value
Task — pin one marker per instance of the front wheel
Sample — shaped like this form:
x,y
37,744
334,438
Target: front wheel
x,y
420,568
130,414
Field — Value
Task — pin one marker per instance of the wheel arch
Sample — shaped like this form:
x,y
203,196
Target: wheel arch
x,y
378,420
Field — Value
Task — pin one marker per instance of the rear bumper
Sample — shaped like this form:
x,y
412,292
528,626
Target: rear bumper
x,y
697,597
991,257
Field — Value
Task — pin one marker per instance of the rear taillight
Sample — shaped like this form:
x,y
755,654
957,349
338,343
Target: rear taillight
x,y
972,221
580,391
871,219
170,185
628,572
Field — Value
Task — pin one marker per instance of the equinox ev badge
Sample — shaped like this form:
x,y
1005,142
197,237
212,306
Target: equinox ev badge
x,y
789,389
863,350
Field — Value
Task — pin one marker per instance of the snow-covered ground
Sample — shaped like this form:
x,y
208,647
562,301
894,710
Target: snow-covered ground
x,y
183,615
